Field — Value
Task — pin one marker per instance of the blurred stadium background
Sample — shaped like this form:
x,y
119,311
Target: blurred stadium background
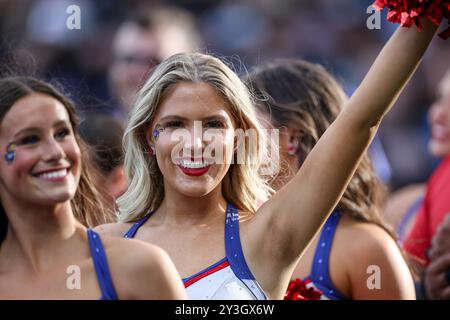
x,y
34,38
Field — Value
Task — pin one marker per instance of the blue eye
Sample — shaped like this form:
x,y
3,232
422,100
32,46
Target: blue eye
x,y
215,124
29,140
62,133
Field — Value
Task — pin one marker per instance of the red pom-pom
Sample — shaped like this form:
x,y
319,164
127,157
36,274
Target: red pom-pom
x,y
409,12
297,290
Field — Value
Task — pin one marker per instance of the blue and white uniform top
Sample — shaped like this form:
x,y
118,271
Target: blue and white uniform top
x,y
101,266
319,277
228,279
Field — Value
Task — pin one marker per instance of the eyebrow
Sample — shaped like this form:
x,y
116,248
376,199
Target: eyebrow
x,y
36,129
213,117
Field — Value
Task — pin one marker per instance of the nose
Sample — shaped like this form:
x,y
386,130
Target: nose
x,y
52,151
196,140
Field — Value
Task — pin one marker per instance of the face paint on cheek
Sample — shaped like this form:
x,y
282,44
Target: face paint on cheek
x,y
157,131
10,154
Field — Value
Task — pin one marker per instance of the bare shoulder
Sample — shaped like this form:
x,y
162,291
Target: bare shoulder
x,y
141,270
366,238
374,253
136,250
117,229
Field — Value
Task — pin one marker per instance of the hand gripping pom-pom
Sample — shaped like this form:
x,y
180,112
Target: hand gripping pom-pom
x,y
410,12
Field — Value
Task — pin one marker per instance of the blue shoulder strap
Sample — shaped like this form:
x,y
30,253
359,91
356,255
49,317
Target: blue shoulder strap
x,y
135,227
412,211
101,266
320,273
235,254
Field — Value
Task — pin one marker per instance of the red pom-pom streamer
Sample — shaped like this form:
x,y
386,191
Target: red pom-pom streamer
x,y
297,290
409,12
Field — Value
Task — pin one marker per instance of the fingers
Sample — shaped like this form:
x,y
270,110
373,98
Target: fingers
x,y
441,240
445,294
440,265
436,284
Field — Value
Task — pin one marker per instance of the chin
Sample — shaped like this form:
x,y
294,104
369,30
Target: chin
x,y
194,189
439,150
57,197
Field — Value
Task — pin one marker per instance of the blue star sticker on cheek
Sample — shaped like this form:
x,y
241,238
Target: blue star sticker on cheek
x,y
10,153
156,132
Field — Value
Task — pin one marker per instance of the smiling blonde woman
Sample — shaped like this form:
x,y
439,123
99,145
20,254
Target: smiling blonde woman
x,y
207,215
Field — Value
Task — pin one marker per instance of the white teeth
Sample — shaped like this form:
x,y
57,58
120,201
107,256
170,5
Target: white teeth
x,y
54,174
195,164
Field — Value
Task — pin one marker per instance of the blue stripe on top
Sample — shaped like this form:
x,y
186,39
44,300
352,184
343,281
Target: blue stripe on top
x,y
320,273
233,246
135,227
233,250
101,266
235,255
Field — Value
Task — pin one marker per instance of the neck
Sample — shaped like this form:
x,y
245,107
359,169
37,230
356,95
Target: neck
x,y
36,234
182,210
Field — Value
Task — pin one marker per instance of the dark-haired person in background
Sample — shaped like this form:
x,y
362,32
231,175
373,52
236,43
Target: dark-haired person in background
x,y
103,134
302,100
143,41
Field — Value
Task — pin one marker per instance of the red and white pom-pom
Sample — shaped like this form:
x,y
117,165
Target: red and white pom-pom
x,y
409,12
297,290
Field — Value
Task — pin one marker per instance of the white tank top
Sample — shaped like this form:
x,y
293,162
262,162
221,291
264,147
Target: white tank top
x,y
227,279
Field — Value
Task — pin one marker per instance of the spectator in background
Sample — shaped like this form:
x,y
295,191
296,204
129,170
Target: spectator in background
x,y
104,134
143,41
404,205
435,206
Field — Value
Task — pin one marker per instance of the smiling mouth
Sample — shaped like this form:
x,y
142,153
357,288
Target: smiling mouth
x,y
194,168
56,175
440,133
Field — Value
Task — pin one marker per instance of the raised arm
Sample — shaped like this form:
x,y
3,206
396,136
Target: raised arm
x,y
287,222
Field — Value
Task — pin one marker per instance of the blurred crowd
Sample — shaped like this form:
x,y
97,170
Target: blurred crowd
x,y
102,64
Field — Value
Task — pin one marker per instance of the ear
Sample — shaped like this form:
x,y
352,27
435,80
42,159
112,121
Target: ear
x,y
149,139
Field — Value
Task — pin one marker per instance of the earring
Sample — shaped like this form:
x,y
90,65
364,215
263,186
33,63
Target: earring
x,y
152,150
292,148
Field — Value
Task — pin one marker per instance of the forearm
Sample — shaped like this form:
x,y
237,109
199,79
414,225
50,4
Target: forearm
x,y
389,73
296,212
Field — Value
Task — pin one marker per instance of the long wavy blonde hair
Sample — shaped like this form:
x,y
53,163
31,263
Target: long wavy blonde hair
x,y
243,184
